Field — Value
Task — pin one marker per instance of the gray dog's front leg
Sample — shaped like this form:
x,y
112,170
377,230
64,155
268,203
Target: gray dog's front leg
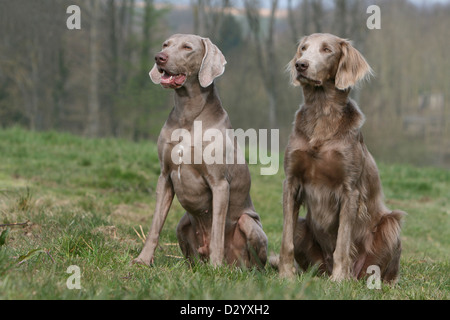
x,y
221,198
164,197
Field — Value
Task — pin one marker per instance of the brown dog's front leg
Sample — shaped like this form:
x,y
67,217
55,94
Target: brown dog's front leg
x,y
221,198
164,197
290,214
342,259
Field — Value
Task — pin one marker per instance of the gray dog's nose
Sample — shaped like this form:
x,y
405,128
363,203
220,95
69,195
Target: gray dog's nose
x,y
161,58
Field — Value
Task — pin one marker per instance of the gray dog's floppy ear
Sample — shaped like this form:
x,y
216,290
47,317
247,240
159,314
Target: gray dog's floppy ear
x,y
155,75
213,64
352,67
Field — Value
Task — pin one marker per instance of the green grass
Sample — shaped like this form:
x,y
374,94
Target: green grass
x,y
84,199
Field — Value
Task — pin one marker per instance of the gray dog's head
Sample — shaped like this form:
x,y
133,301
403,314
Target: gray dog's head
x,y
185,58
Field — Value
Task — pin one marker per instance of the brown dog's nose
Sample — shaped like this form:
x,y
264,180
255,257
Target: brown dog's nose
x,y
301,65
161,58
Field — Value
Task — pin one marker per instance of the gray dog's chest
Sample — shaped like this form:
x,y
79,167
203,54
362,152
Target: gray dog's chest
x,y
192,191
187,177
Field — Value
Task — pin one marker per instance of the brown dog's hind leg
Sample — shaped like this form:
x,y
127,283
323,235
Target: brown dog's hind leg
x,y
307,252
256,241
386,247
388,233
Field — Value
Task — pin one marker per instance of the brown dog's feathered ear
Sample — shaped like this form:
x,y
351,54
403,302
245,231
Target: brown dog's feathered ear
x,y
155,75
352,67
213,64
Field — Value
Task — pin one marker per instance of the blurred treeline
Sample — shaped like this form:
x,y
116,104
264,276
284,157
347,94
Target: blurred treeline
x,y
94,81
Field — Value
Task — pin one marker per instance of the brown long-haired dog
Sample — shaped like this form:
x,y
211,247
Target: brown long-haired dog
x,y
329,170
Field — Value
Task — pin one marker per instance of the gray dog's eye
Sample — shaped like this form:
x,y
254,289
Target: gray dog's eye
x,y
187,47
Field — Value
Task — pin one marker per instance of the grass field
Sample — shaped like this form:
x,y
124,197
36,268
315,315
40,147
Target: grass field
x,y
84,202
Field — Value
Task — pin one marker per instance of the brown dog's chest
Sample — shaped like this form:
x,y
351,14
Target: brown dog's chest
x,y
325,150
318,166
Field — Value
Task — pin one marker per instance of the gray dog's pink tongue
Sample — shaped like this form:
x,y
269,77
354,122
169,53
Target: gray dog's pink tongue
x,y
172,81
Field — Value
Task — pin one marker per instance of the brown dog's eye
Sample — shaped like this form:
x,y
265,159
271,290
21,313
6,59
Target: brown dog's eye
x,y
327,50
165,45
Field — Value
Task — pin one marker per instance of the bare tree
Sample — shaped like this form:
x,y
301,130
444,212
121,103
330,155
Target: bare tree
x,y
301,15
30,46
208,16
317,14
93,112
292,22
306,16
265,52
340,17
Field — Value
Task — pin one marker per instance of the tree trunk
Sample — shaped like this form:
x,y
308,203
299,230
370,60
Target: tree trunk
x,y
266,58
292,22
340,18
317,8
93,116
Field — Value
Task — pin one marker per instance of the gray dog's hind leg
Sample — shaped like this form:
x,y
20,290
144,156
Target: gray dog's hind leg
x,y
186,239
256,240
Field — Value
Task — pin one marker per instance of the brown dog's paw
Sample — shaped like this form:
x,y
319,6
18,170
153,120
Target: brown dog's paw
x,y
340,274
287,271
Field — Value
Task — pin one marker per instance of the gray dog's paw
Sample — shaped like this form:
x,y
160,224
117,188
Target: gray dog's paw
x,y
274,260
141,261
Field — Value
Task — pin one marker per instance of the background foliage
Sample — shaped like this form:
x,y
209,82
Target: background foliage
x,y
94,81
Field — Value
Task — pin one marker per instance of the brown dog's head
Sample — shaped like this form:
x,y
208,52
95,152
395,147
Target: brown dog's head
x,y
185,58
323,57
